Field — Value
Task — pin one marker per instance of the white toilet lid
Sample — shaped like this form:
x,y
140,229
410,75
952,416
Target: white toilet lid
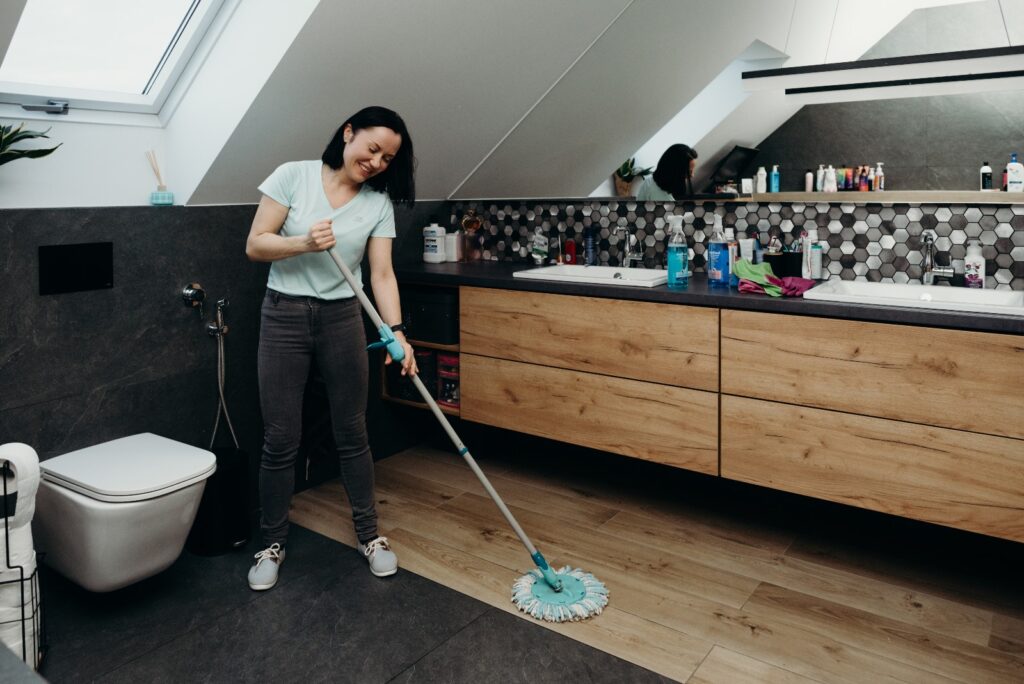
x,y
132,468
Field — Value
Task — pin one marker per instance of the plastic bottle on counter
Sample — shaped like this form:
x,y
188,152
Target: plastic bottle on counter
x,y
974,266
678,256
433,244
718,256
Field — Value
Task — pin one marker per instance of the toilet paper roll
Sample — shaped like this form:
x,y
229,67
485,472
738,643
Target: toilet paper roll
x,y
25,479
12,582
18,544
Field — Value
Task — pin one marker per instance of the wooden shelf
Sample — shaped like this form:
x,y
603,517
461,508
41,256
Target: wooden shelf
x,y
454,348
419,404
891,197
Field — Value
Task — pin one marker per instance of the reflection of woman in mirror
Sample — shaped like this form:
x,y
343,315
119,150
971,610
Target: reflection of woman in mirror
x,y
673,177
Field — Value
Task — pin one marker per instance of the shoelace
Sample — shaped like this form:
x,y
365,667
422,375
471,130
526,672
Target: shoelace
x,y
378,544
272,552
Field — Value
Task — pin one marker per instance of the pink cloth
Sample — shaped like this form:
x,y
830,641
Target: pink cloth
x,y
790,286
795,287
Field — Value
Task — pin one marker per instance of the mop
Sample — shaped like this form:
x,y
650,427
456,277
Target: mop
x,y
563,595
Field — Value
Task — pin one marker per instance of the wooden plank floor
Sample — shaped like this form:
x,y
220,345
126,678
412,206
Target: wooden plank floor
x,y
710,581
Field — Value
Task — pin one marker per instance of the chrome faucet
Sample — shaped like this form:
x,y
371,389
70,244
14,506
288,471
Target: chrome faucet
x,y
629,247
929,271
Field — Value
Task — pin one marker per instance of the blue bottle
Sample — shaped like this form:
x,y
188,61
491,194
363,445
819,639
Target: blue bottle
x,y
718,257
678,256
773,179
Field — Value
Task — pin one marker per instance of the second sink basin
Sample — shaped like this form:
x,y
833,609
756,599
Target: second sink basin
x,y
920,296
598,275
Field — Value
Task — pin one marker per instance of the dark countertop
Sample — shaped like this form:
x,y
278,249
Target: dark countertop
x,y
499,275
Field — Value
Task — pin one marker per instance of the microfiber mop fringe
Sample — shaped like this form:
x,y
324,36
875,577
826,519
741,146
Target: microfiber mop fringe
x,y
592,603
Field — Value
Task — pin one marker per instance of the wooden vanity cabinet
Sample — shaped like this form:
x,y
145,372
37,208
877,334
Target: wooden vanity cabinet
x,y
918,422
632,378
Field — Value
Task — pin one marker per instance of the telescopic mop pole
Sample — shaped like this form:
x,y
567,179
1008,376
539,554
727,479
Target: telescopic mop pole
x,y
394,347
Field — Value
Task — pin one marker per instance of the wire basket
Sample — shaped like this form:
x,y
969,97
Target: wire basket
x,y
21,623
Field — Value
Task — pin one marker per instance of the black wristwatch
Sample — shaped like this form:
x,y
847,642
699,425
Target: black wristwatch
x,y
398,327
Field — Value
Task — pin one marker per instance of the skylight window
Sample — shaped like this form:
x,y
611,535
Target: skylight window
x,y
104,54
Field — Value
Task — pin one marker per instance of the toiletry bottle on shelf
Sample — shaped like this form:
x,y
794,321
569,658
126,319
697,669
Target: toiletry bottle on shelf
x,y
863,185
718,257
828,184
678,256
433,244
819,179
879,178
761,180
871,178
809,181
974,266
1014,175
986,177
774,179
848,183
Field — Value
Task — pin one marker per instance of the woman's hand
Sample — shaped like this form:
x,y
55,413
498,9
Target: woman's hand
x,y
320,237
409,362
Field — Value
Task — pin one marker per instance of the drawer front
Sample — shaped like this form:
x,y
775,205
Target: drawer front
x,y
663,343
670,425
950,378
959,479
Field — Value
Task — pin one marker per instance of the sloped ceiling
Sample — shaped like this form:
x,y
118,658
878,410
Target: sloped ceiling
x,y
461,73
502,99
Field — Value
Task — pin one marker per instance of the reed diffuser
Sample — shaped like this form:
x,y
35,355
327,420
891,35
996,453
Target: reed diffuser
x,y
161,197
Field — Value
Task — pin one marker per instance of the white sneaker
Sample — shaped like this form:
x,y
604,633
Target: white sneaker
x,y
263,575
383,561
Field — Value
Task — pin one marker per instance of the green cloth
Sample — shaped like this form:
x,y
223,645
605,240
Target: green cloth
x,y
757,273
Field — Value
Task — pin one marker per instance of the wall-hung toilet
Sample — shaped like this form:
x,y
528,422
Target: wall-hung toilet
x,y
115,513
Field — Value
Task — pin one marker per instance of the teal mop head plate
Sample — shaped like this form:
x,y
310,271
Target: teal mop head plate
x,y
582,595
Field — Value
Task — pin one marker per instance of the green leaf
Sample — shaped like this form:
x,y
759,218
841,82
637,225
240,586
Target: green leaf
x,y
10,135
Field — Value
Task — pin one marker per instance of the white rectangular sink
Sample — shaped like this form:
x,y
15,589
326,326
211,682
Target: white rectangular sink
x,y
598,275
920,296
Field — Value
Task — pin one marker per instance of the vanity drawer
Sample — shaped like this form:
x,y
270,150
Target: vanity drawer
x,y
950,378
959,479
663,343
670,425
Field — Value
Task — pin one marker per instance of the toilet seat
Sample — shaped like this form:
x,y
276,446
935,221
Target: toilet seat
x,y
135,468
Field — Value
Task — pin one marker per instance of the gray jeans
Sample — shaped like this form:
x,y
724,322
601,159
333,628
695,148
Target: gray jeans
x,y
293,332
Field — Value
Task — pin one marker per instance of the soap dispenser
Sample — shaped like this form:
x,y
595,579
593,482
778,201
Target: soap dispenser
x,y
974,266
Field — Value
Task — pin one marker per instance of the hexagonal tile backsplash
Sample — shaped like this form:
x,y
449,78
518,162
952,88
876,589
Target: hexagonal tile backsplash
x,y
876,242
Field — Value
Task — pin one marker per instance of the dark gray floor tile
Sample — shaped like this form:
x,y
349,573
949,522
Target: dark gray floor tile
x,y
500,647
90,634
352,628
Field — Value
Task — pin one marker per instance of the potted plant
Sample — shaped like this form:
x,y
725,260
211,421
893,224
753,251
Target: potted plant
x,y
9,135
626,174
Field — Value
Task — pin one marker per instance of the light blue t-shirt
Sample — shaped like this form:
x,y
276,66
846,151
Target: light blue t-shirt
x,y
649,191
298,186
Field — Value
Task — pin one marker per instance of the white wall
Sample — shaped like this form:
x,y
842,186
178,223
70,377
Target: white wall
x,y
104,164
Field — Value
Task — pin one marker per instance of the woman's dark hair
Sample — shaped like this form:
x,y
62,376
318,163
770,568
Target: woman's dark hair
x,y
673,172
398,179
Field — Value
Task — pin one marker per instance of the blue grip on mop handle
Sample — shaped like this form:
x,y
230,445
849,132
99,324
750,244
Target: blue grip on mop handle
x,y
388,339
549,576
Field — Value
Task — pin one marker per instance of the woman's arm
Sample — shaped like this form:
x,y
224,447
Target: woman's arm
x,y
385,292
265,243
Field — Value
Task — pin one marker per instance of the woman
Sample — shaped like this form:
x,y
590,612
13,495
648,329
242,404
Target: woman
x,y
672,179
311,314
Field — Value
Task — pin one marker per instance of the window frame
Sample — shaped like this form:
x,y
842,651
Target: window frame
x,y
174,75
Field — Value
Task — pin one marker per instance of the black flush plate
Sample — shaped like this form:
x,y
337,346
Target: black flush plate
x,y
76,268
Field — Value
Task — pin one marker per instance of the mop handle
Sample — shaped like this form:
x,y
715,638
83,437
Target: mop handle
x,y
441,418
